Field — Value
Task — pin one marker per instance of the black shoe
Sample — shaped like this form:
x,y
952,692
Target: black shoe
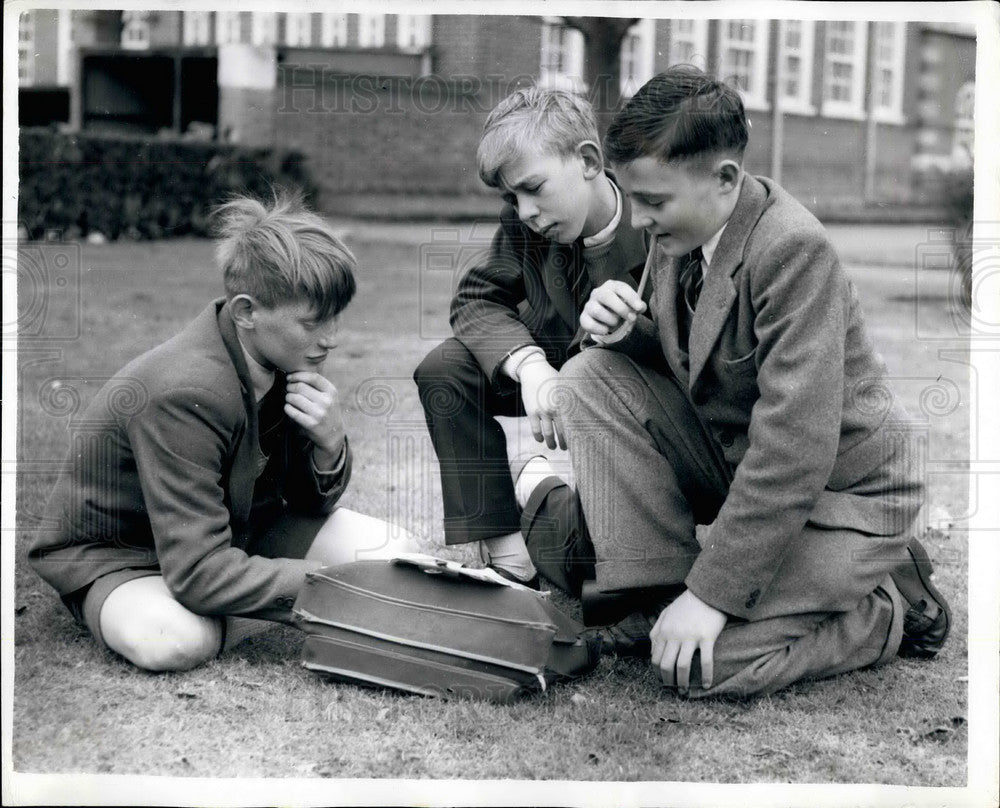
x,y
532,583
928,620
627,638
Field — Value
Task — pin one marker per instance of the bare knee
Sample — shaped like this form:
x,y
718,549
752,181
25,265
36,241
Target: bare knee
x,y
144,624
165,645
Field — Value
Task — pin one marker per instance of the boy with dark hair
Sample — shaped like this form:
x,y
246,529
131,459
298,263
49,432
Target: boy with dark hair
x,y
206,489
564,231
747,456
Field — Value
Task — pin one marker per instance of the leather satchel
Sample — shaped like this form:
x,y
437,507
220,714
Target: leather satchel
x,y
451,634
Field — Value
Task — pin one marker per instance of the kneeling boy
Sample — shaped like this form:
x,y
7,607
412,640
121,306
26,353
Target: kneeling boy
x,y
751,401
212,493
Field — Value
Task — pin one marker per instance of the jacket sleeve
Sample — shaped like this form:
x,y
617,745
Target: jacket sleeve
x,y
801,301
181,442
308,490
484,310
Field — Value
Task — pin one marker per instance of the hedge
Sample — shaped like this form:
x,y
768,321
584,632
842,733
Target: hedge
x,y
79,184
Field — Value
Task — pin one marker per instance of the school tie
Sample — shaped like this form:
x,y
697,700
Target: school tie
x,y
689,287
693,278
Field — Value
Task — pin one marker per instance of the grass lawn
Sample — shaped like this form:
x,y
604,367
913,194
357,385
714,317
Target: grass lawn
x,y
257,712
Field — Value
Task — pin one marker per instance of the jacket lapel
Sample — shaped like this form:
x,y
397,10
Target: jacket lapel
x,y
666,271
719,291
559,286
249,459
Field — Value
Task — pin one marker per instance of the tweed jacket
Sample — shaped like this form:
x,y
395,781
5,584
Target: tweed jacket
x,y
164,477
784,376
529,290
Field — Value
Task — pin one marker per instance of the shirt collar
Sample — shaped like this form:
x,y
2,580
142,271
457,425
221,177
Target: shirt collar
x,y
708,248
261,378
607,233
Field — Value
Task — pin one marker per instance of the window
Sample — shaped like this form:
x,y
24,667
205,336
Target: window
x,y
264,27
135,30
887,65
298,29
371,30
197,27
689,42
796,53
26,48
561,63
65,63
844,69
333,32
743,50
965,128
637,56
227,27
413,31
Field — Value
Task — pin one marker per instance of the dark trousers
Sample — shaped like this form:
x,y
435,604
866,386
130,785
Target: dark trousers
x,y
461,407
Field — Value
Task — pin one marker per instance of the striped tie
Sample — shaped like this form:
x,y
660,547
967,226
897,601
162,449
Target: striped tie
x,y
689,287
692,278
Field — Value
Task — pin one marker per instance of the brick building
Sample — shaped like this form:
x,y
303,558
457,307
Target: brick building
x,y
386,103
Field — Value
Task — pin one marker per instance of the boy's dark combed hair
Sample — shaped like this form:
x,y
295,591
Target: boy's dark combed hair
x,y
676,115
281,252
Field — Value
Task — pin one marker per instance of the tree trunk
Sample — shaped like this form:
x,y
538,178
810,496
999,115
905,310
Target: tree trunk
x,y
602,37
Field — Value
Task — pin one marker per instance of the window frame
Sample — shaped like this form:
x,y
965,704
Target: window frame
x,y
228,28
756,98
697,39
301,23
263,28
371,36
802,103
643,33
333,30
418,28
26,48
570,56
133,22
891,113
854,109
196,28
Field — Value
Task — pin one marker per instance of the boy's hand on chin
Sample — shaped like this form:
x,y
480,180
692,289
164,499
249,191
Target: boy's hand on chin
x,y
313,403
685,626
539,386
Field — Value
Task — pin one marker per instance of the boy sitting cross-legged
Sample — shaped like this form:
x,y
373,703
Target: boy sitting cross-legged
x,y
209,497
751,403
564,231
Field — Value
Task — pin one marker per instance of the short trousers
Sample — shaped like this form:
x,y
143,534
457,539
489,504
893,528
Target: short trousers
x,y
287,536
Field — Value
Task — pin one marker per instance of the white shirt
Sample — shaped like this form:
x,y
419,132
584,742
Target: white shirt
x,y
708,248
607,234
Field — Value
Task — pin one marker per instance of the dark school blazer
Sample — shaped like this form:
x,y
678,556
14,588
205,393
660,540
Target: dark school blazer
x,y
529,290
782,372
164,477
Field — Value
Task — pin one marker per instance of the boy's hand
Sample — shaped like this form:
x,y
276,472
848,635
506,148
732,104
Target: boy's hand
x,y
685,626
539,381
312,402
610,305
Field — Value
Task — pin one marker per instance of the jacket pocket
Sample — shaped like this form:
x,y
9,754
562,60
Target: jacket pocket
x,y
740,365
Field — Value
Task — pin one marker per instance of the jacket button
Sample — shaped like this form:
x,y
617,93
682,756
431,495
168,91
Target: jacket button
x,y
753,599
726,438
